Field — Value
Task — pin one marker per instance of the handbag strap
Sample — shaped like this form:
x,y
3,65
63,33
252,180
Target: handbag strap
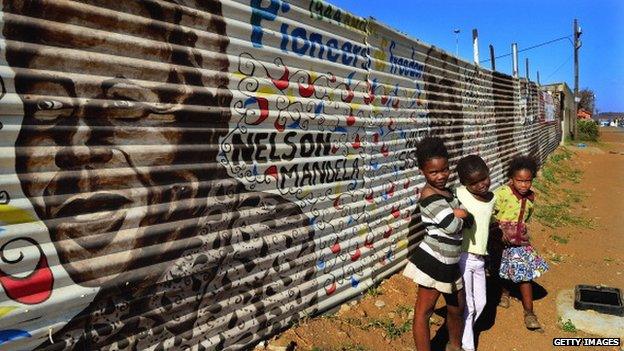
x,y
521,216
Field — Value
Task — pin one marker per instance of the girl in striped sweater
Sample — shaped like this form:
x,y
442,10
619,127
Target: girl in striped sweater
x,y
433,265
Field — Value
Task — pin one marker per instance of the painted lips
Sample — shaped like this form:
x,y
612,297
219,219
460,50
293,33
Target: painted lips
x,y
85,216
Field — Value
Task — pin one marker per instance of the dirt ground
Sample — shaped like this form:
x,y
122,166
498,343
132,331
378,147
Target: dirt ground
x,y
585,247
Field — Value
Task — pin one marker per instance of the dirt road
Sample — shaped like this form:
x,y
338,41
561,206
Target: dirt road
x,y
580,232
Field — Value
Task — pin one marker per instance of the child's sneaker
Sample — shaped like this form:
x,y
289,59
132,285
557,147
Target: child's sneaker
x,y
530,321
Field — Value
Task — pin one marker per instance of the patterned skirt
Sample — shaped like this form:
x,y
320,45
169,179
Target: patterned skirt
x,y
521,264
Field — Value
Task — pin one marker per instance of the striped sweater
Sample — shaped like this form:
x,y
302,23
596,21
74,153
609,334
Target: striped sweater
x,y
434,262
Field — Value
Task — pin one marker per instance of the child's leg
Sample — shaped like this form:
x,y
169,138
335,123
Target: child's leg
x,y
479,288
455,304
504,297
467,269
530,319
425,303
526,291
473,268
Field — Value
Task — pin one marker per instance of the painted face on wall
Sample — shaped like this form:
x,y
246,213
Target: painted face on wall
x,y
116,149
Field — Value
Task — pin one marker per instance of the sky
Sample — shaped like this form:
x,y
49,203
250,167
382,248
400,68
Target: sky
x,y
527,23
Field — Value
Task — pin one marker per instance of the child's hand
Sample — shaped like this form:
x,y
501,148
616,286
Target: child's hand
x,y
459,213
505,239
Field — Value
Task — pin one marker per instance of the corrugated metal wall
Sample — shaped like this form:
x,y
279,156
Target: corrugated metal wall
x,y
202,174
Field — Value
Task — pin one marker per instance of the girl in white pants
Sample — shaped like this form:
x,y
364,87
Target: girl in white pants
x,y
475,195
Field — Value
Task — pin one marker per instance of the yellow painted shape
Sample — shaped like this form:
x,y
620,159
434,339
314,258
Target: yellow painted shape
x,y
4,310
265,91
239,75
356,107
337,189
362,231
13,215
381,65
402,245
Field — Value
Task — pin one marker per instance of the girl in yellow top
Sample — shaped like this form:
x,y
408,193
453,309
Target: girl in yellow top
x,y
520,263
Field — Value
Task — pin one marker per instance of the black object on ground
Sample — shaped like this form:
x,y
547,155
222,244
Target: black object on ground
x,y
599,298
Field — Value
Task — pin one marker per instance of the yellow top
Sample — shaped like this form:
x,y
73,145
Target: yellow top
x,y
476,236
507,207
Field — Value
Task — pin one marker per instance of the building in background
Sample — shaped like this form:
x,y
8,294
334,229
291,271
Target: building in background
x,y
564,105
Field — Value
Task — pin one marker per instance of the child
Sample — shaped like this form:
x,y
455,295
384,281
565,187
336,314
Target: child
x,y
474,175
520,263
434,262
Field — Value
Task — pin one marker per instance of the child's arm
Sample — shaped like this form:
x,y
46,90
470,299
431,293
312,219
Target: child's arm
x,y
460,213
442,215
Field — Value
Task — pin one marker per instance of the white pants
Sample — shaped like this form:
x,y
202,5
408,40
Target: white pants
x,y
473,271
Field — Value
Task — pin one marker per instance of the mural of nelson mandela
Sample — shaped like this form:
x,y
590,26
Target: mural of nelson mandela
x,y
117,154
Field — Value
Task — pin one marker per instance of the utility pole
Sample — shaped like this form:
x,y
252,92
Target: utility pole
x,y
527,68
475,46
577,46
492,58
514,59
456,31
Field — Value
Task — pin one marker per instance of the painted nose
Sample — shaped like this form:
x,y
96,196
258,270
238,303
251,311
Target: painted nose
x,y
75,157
85,144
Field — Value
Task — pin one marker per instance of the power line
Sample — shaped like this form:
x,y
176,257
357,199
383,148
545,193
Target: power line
x,y
532,47
558,68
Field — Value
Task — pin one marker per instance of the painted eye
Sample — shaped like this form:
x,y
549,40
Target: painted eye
x,y
45,105
50,110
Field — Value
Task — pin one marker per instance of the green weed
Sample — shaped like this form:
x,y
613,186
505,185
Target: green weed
x,y
559,239
352,347
559,214
391,329
394,331
549,175
567,326
374,291
573,196
556,258
403,310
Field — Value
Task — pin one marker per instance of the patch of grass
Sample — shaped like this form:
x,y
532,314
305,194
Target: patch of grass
x,y
391,329
352,347
573,196
559,239
316,348
394,331
554,215
403,310
549,175
374,291
587,130
608,259
373,323
567,326
556,258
